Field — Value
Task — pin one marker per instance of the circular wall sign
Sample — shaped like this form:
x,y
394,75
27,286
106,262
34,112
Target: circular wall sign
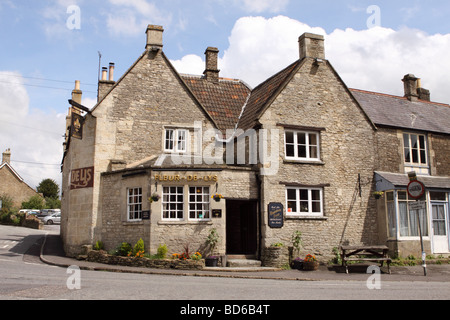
x,y
416,189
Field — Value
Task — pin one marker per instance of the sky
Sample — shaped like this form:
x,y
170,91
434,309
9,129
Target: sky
x,y
48,44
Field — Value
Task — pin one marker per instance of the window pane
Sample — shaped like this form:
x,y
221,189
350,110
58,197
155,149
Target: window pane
x,y
289,137
438,196
316,207
301,138
303,194
290,150
312,139
304,206
292,206
415,156
292,194
313,152
414,142
406,140
302,151
315,195
423,157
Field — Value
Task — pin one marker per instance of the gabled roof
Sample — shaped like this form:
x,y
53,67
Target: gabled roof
x,y
399,112
223,100
6,164
264,93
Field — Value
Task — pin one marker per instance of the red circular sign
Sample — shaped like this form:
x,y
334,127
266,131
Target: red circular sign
x,y
416,189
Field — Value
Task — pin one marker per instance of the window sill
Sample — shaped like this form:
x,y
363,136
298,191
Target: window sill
x,y
304,161
132,223
306,217
190,222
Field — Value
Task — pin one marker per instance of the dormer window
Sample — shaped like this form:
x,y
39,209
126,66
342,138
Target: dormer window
x,y
176,140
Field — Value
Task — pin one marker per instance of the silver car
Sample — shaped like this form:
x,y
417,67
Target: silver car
x,y
51,219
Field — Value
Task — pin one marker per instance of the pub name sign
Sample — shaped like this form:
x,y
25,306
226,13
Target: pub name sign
x,y
82,178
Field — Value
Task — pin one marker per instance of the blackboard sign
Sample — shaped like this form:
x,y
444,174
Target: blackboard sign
x,y
145,215
276,215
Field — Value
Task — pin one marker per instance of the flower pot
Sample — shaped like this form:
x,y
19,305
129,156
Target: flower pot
x,y
211,261
297,264
310,265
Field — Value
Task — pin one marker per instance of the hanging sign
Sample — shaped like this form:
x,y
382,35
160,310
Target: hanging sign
x,y
276,217
76,128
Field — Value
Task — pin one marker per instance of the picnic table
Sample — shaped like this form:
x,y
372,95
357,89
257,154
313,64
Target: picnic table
x,y
365,253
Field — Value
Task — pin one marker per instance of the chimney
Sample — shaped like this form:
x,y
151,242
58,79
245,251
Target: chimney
x,y
212,60
424,94
154,37
312,46
106,83
6,156
410,82
77,93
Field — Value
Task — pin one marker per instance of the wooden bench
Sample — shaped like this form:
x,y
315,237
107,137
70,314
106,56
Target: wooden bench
x,y
365,253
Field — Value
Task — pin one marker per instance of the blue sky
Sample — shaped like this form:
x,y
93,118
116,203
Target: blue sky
x,y
42,56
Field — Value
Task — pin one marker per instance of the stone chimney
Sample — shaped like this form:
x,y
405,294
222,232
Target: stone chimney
x,y
212,60
414,90
410,82
6,156
106,83
312,46
154,37
77,93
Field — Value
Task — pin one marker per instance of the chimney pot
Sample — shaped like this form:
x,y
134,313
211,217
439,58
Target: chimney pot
x,y
212,60
154,37
104,73
312,46
111,71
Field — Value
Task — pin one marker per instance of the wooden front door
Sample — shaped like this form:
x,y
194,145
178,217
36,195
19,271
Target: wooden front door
x,y
242,229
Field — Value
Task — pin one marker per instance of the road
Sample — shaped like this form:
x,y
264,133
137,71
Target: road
x,y
24,276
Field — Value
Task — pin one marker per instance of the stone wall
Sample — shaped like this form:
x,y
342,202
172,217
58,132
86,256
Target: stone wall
x,y
316,98
11,186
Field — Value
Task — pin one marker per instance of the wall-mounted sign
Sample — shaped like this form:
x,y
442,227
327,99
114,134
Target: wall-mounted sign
x,y
145,215
276,215
217,213
188,178
82,178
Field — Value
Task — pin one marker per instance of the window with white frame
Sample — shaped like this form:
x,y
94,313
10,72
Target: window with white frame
x,y
415,153
408,218
134,204
172,203
304,201
199,203
302,145
175,140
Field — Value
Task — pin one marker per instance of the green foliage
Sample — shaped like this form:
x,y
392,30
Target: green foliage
x,y
213,239
277,245
49,188
98,246
297,242
124,249
35,202
162,251
52,203
139,247
7,202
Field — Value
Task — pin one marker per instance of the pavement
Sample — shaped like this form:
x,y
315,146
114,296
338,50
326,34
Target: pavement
x,y
52,253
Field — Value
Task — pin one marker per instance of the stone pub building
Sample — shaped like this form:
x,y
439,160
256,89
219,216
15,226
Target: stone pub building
x,y
300,152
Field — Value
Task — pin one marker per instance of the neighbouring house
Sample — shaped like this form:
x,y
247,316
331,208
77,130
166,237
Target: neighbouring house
x,y
168,157
12,184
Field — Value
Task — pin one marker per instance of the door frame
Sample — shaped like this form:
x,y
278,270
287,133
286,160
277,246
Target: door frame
x,y
447,225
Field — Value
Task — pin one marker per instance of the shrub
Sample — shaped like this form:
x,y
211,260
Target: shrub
x,y
98,246
162,252
124,249
139,247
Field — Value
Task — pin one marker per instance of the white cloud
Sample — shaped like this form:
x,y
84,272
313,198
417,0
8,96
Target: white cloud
x,y
374,59
190,64
259,6
32,135
130,17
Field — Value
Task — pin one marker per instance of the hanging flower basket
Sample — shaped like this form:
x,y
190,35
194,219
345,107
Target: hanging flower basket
x,y
378,194
154,198
217,197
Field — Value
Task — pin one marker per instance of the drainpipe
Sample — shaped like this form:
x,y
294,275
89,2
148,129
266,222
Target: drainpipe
x,y
260,213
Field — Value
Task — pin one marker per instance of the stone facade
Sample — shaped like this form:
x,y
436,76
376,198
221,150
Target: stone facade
x,y
156,133
12,185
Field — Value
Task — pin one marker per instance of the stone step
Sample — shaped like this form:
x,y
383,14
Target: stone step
x,y
243,263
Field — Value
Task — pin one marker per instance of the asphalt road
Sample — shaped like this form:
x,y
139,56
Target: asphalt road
x,y
24,276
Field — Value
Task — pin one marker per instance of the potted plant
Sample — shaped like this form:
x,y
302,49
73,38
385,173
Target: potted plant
x,y
154,198
378,194
297,243
217,197
310,263
212,240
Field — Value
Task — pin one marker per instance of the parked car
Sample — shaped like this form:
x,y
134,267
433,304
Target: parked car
x,y
47,212
51,219
33,213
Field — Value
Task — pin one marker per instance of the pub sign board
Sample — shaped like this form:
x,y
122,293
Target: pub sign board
x,y
276,215
82,178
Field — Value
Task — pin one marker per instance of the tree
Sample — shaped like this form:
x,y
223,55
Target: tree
x,y
49,188
35,202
